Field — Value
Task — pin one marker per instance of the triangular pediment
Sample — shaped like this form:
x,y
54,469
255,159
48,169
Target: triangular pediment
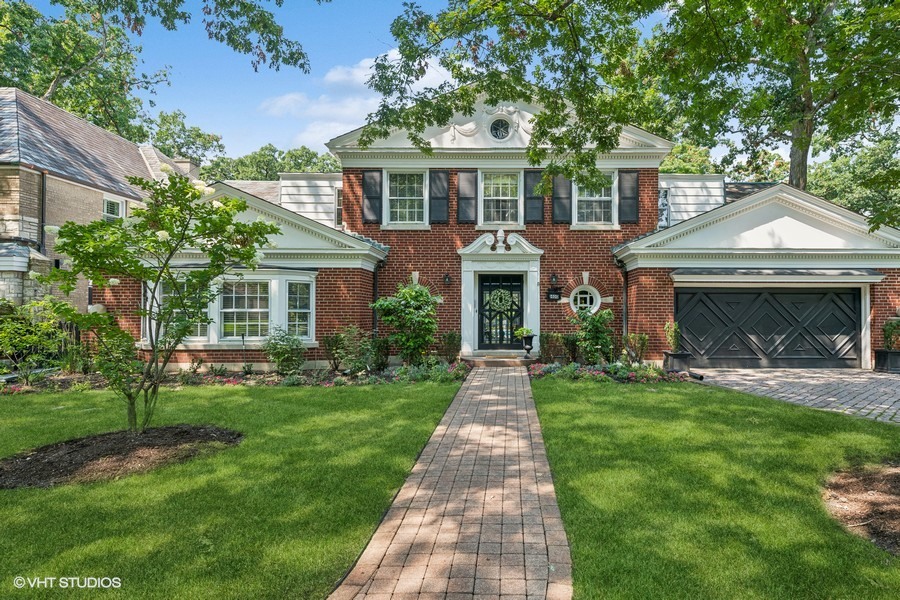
x,y
473,132
298,233
500,245
779,218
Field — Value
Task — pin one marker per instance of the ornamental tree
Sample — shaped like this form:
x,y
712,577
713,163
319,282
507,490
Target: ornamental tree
x,y
177,217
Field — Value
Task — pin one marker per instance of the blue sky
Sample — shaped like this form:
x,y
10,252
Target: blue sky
x,y
219,91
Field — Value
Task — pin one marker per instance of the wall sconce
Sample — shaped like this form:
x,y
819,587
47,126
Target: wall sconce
x,y
447,279
554,279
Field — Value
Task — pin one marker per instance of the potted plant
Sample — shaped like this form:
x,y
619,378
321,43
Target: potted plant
x,y
675,358
527,336
888,359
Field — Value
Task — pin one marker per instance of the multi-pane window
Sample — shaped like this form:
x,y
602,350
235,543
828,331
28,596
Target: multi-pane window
x,y
406,197
501,197
245,309
338,207
197,330
595,206
584,300
112,210
299,308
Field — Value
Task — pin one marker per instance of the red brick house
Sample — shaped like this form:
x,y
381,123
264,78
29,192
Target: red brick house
x,y
778,278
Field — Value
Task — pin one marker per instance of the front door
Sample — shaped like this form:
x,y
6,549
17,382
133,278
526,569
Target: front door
x,y
500,310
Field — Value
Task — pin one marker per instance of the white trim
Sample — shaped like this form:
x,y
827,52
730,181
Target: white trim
x,y
471,160
520,216
762,279
122,208
586,288
614,224
387,224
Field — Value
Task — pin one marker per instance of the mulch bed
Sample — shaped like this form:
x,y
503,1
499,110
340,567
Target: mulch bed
x,y
868,504
112,455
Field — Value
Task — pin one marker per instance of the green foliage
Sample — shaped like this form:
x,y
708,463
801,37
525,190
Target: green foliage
x,y
450,346
81,386
673,335
77,357
266,163
552,347
688,158
173,137
863,176
570,343
891,332
220,371
32,336
595,336
434,372
285,350
380,352
760,165
412,313
635,347
247,369
359,352
332,346
176,216
521,332
610,372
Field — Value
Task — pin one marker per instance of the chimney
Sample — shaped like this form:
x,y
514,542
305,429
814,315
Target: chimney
x,y
188,167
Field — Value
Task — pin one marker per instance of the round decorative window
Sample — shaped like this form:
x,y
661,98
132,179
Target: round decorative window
x,y
500,129
585,297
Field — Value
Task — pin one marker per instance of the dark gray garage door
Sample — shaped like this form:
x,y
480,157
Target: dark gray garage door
x,y
775,328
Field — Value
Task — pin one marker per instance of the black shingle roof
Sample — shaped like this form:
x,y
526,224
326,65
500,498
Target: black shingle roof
x,y
37,133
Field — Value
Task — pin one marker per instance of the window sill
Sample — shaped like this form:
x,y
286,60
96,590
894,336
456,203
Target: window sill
x,y
406,227
256,344
499,226
595,227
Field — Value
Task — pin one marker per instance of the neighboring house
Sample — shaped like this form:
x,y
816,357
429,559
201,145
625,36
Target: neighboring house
x,y
56,167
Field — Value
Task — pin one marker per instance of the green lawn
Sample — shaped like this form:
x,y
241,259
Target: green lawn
x,y
282,515
687,491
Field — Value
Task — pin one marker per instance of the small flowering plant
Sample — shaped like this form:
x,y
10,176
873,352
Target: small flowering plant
x,y
179,217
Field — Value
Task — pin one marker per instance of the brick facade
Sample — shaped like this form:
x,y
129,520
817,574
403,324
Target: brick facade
x,y
651,304
567,253
885,303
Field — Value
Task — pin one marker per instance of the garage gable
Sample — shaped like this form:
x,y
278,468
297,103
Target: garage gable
x,y
779,223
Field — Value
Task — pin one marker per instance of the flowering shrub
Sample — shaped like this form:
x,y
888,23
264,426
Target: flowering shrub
x,y
623,373
439,373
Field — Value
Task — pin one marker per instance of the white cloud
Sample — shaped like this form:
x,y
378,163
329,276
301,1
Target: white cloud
x,y
357,75
299,105
315,133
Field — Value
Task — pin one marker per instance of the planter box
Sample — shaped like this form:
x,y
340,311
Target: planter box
x,y
887,361
677,361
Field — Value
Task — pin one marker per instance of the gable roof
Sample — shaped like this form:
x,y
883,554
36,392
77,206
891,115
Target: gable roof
x,y
39,134
776,223
267,190
735,190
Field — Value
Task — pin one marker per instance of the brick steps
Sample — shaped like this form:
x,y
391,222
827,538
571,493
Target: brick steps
x,y
498,361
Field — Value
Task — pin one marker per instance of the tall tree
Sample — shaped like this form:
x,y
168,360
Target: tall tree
x,y
864,177
688,158
266,163
173,137
772,71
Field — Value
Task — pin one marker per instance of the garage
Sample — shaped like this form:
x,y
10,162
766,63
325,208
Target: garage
x,y
771,328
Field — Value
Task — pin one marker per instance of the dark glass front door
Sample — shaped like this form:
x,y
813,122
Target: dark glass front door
x,y
500,310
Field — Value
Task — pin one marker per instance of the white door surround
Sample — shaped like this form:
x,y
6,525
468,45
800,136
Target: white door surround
x,y
495,254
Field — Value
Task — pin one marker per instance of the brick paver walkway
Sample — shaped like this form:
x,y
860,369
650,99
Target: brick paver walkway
x,y
852,391
477,518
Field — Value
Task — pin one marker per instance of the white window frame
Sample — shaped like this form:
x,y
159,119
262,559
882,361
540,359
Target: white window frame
x,y
311,282
598,300
339,208
386,201
576,193
520,221
220,322
110,217
190,338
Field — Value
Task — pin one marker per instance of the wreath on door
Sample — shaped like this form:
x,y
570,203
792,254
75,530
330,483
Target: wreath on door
x,y
500,300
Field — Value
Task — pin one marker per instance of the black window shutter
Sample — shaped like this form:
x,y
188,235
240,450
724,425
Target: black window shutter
x,y
371,197
534,201
628,196
439,196
562,200
467,197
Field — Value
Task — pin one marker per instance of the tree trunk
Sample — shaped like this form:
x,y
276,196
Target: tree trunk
x,y
132,415
801,140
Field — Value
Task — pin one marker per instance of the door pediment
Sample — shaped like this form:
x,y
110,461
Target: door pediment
x,y
499,246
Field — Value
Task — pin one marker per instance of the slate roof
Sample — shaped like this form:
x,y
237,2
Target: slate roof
x,y
39,134
735,190
267,190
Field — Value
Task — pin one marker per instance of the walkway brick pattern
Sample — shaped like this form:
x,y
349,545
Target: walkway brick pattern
x,y
851,391
477,518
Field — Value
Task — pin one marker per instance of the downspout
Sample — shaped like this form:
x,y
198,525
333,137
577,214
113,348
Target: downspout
x,y
42,235
624,270
378,267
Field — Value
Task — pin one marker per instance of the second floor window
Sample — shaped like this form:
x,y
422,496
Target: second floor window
x,y
245,309
406,197
595,205
501,197
113,209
